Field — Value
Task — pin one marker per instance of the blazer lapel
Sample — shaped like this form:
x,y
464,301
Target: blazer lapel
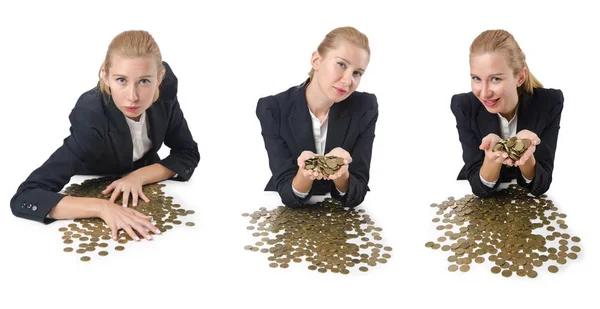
x,y
488,123
527,116
300,121
120,136
337,127
156,126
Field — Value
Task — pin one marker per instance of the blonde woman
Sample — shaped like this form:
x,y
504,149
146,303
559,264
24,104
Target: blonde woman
x,y
325,115
116,129
506,101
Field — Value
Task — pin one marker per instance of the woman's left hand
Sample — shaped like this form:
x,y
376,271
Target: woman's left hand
x,y
130,184
341,153
534,139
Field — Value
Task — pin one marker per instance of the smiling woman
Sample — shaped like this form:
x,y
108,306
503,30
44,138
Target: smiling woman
x,y
506,101
117,129
323,116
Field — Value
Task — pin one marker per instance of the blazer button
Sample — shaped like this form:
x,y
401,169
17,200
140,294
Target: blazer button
x,y
34,208
29,206
24,204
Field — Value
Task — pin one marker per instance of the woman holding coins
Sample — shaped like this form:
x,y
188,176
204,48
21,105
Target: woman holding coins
x,y
506,102
323,116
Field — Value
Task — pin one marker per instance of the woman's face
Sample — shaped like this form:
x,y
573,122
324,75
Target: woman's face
x,y
338,72
494,83
133,82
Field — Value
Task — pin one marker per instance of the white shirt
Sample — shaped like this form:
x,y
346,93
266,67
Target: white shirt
x,y
508,129
139,136
320,135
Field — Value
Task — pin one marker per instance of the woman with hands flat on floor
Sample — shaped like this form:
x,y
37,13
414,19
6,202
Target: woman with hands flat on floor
x,y
116,129
506,101
323,116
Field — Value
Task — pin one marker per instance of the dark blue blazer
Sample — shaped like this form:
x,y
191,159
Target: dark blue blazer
x,y
100,144
539,113
287,132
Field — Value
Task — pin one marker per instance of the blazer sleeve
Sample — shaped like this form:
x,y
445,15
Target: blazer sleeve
x,y
184,156
281,162
36,197
472,155
544,153
361,157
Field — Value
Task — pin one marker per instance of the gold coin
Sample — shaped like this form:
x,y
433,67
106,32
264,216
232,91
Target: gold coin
x,y
532,274
273,265
575,239
575,249
363,268
85,258
68,249
506,273
465,268
453,268
553,269
119,248
103,253
190,223
572,255
312,267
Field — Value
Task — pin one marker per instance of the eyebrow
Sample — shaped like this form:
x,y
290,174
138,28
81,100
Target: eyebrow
x,y
359,69
121,75
495,74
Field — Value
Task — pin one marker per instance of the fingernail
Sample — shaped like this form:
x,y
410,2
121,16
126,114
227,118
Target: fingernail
x,y
114,238
137,239
157,231
149,237
134,204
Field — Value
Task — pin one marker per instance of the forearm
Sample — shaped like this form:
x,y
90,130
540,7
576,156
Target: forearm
x,y
71,207
301,183
342,182
153,173
490,170
528,169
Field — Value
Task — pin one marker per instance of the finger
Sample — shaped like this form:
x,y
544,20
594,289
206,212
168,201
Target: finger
x,y
126,192
114,230
109,188
115,193
147,225
143,196
129,230
134,198
312,177
508,162
140,226
485,143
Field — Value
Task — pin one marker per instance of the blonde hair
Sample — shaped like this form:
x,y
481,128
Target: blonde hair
x,y
131,44
333,38
502,41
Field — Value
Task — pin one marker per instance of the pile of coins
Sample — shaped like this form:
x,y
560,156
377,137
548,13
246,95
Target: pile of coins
x,y
502,228
91,234
324,165
514,147
326,235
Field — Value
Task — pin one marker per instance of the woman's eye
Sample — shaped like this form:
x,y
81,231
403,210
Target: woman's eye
x,y
357,73
496,79
121,80
342,65
144,81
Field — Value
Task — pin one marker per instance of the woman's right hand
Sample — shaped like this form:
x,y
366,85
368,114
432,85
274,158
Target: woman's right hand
x,y
127,219
312,175
487,145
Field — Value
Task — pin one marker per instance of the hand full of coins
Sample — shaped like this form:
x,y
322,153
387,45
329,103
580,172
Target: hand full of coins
x,y
324,165
514,147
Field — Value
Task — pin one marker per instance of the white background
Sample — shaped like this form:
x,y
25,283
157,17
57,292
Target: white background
x,y
228,54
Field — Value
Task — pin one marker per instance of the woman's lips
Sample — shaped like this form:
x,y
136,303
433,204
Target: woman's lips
x,y
340,91
490,103
132,109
